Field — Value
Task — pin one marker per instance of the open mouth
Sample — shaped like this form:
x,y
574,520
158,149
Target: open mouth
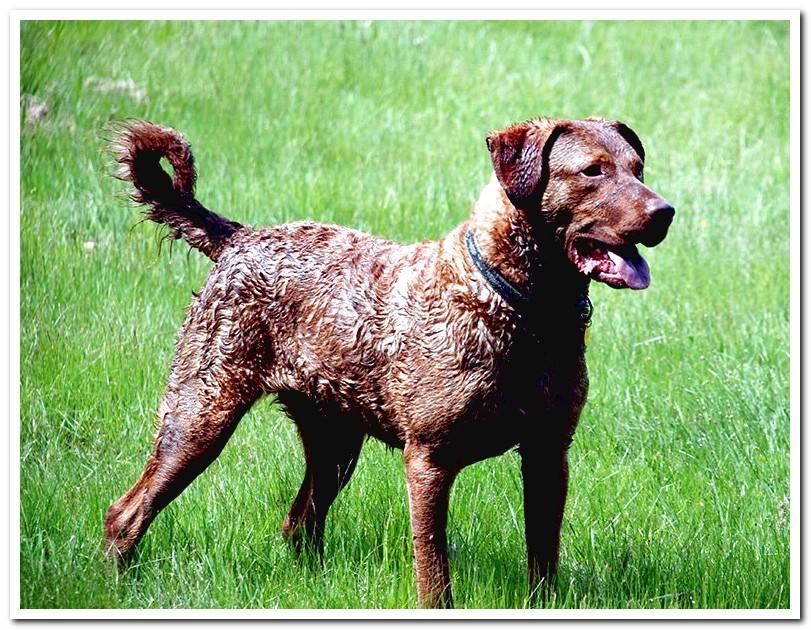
x,y
617,266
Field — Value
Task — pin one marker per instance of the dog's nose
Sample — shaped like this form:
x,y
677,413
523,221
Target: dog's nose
x,y
661,211
660,215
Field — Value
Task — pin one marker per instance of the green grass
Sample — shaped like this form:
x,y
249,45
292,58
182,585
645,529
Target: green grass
x,y
680,469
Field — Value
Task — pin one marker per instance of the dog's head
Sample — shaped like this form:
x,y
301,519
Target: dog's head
x,y
582,181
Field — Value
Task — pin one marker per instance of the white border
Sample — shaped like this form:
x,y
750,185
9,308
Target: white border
x,y
405,14
793,16
795,350
408,614
14,250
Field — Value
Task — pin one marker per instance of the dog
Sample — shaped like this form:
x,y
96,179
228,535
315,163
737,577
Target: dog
x,y
454,350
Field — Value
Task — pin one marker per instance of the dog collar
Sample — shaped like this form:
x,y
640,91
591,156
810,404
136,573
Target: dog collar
x,y
519,301
499,283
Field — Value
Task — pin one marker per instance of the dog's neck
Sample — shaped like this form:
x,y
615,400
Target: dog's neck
x,y
526,255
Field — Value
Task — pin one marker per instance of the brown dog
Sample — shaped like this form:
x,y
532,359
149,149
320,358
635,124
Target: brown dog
x,y
454,350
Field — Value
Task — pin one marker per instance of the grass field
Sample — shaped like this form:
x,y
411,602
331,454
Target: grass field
x,y
680,467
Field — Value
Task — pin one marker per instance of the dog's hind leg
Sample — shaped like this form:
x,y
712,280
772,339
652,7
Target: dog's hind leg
x,y
332,443
187,442
196,422
222,355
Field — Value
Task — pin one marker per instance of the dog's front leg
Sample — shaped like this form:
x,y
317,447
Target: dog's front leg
x,y
545,473
429,486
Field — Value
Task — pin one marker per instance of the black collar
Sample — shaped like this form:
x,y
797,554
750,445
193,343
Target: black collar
x,y
520,302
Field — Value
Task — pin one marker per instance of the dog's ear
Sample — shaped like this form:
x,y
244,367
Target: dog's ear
x,y
520,156
630,137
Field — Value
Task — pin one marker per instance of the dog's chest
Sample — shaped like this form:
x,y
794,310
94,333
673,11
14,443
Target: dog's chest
x,y
543,374
539,389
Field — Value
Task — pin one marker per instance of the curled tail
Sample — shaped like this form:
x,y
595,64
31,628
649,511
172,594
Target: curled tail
x,y
138,148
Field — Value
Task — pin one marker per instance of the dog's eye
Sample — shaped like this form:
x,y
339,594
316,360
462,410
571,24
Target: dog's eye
x,y
595,170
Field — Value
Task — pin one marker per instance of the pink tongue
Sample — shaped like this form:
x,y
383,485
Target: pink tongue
x,y
634,271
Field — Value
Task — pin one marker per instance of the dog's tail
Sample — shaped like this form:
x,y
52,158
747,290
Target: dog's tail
x,y
138,148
